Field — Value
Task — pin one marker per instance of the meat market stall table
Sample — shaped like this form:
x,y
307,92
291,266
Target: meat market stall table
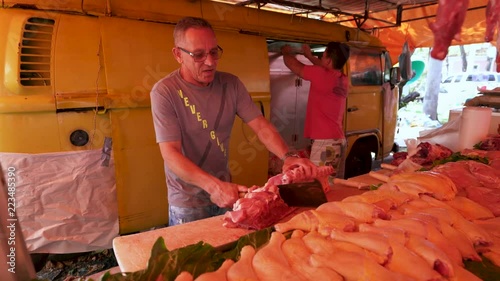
x,y
133,251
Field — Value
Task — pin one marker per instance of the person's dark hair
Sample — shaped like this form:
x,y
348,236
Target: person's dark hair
x,y
186,23
338,52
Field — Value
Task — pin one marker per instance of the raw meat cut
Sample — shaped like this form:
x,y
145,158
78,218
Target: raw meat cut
x,y
459,173
262,207
449,20
492,14
426,154
488,197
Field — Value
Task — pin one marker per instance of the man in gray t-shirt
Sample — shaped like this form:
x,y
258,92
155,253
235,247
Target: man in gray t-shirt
x,y
193,111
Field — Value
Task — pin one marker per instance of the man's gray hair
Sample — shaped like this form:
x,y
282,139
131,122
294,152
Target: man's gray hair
x,y
186,23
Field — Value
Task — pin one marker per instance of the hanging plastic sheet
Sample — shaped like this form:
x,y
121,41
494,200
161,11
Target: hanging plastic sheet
x,y
405,63
65,202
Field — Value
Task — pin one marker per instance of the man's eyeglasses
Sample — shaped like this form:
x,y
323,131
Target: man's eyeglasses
x,y
215,53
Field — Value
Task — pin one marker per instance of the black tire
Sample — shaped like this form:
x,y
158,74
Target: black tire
x,y
359,160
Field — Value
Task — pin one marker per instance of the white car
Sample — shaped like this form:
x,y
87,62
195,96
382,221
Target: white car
x,y
470,82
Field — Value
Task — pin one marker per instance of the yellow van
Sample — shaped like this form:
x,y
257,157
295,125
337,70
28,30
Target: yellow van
x,y
77,73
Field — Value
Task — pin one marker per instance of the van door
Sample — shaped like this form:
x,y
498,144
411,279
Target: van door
x,y
289,95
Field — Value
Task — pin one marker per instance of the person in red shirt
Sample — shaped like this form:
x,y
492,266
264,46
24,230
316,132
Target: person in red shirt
x,y
326,102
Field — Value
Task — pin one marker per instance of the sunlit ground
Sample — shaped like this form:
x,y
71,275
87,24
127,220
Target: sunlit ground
x,y
412,119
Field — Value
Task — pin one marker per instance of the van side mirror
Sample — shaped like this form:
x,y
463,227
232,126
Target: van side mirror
x,y
395,75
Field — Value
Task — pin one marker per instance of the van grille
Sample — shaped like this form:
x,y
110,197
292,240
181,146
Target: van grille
x,y
35,50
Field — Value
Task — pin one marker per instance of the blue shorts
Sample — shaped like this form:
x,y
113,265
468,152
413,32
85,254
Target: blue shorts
x,y
180,215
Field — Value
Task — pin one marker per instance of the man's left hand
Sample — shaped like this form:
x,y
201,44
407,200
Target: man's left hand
x,y
309,168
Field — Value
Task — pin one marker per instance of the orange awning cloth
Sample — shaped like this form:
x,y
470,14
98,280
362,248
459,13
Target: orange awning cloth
x,y
415,29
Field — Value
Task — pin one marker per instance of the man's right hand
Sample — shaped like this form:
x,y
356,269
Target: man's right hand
x,y
225,194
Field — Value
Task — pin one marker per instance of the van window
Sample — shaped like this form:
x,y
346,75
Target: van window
x,y
365,66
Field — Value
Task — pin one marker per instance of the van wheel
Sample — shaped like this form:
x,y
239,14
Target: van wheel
x,y
359,160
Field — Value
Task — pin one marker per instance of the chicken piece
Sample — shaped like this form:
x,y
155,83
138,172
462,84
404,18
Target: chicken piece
x,y
492,252
350,247
427,227
438,239
440,204
409,263
417,203
298,256
242,270
385,204
353,266
461,241
407,187
462,206
476,234
184,276
218,275
408,225
269,263
469,209
312,220
450,17
494,257
436,184
436,258
370,241
392,234
462,274
373,196
360,211
492,226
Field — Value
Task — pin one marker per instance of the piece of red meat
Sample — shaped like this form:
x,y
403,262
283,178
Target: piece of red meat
x,y
492,14
492,142
487,175
262,207
459,173
398,158
427,153
259,209
487,197
450,17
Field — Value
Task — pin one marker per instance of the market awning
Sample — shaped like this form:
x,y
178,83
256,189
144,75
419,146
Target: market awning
x,y
393,21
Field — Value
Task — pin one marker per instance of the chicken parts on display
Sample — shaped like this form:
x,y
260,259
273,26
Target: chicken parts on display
x,y
417,236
